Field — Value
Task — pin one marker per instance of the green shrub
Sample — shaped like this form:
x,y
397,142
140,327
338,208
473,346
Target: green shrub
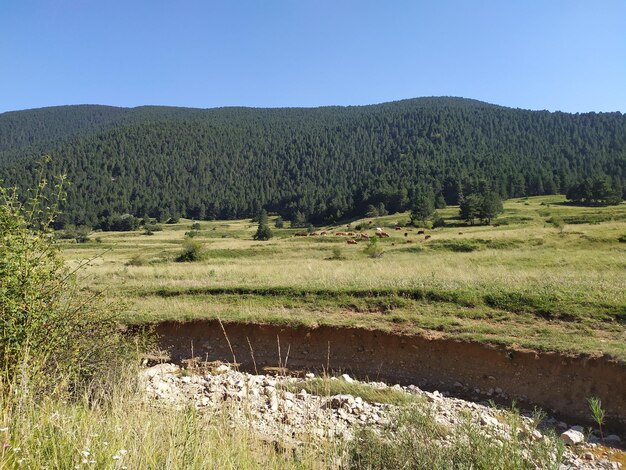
x,y
192,251
153,228
373,248
196,226
439,222
337,253
71,232
622,238
137,260
55,337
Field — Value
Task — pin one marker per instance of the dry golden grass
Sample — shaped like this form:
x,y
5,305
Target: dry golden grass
x,y
525,282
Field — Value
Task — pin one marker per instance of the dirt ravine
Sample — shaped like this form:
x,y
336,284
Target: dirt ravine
x,y
556,383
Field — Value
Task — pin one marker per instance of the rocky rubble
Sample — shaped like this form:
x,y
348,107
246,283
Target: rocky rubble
x,y
279,410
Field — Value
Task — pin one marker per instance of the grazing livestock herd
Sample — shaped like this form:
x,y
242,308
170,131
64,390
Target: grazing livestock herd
x,y
355,237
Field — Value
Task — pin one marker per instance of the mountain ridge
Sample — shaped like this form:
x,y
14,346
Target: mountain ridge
x,y
323,162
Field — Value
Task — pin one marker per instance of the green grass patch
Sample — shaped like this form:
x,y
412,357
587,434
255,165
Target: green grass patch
x,y
412,440
327,387
467,245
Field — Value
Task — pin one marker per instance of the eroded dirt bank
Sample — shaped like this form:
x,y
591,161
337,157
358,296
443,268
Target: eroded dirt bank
x,y
555,382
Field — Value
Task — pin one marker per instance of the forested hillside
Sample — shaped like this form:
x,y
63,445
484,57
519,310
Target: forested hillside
x,y
326,163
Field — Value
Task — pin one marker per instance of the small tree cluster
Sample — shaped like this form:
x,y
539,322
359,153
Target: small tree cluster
x,y
377,210
299,220
120,223
484,207
595,191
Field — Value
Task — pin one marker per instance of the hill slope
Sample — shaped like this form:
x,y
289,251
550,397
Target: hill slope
x,y
325,162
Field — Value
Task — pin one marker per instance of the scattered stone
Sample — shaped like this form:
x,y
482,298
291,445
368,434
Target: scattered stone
x,y
487,420
268,404
612,439
347,378
572,437
222,369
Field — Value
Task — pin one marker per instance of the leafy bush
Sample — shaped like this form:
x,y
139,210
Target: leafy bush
x,y
137,260
120,223
192,251
373,248
196,226
71,232
337,253
153,228
439,222
55,337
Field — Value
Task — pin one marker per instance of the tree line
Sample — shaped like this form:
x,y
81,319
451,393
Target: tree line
x,y
316,165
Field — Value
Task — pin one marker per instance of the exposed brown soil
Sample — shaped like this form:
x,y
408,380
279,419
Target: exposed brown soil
x,y
559,384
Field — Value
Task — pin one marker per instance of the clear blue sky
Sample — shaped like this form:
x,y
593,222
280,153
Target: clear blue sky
x,y
567,55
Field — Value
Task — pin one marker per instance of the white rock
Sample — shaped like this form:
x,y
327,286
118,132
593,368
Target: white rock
x,y
339,401
160,369
572,437
273,403
487,420
222,369
347,378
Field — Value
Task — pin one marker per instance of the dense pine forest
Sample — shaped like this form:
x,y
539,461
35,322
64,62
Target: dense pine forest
x,y
317,164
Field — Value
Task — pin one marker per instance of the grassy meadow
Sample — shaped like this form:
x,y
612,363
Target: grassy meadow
x,y
522,281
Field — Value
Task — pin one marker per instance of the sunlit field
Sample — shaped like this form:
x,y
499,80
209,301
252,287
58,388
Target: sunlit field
x,y
521,281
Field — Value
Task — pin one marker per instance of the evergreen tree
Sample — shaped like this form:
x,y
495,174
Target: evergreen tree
x,y
263,231
327,163
423,207
597,190
299,220
469,207
490,207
